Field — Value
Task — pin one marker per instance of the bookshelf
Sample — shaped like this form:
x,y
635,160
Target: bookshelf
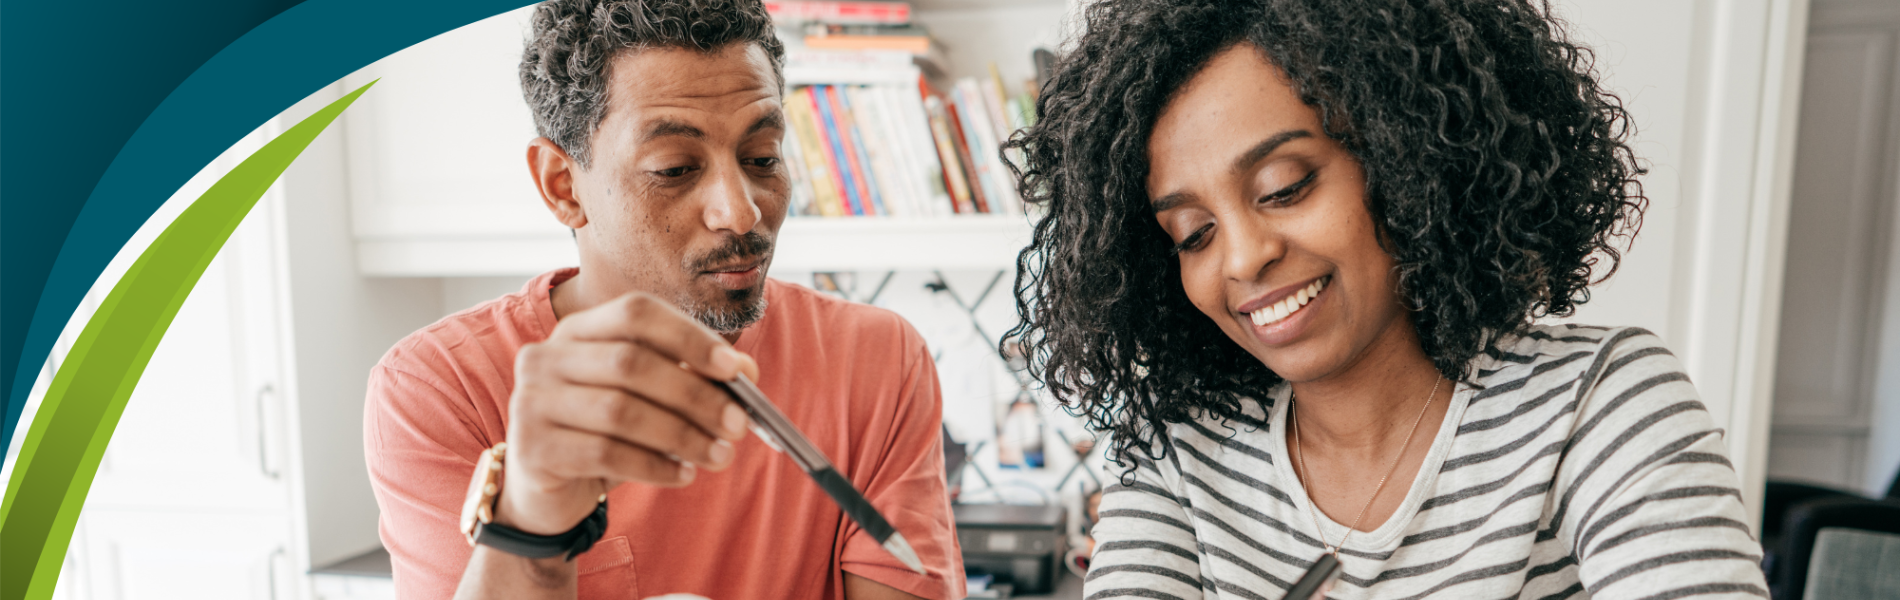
x,y
438,186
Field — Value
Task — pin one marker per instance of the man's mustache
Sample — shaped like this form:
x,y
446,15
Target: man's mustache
x,y
737,248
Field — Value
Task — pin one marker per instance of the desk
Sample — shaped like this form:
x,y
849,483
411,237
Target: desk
x,y
1068,587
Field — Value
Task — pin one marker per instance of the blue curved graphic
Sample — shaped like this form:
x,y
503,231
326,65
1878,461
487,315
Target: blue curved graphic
x,y
282,60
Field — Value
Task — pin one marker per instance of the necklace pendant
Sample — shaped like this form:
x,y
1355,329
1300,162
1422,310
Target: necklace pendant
x,y
1318,580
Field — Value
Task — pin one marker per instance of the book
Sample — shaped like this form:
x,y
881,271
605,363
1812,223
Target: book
x,y
853,152
892,42
993,99
847,180
825,180
799,189
872,136
825,29
875,138
954,176
963,138
839,204
892,152
859,152
868,13
981,135
921,150
804,66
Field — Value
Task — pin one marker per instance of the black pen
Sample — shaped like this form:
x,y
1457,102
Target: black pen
x,y
779,433
1317,581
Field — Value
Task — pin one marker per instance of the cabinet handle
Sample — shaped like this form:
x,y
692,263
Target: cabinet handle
x,y
263,438
270,571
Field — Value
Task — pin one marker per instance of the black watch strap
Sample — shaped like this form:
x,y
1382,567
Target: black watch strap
x,y
520,543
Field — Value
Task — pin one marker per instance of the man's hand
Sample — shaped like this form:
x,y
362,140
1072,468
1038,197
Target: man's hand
x,y
620,392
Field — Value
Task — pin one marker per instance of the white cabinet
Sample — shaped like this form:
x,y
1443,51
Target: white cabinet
x,y
194,496
204,428
237,466
158,554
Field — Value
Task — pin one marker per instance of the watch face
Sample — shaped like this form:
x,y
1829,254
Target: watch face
x,y
477,507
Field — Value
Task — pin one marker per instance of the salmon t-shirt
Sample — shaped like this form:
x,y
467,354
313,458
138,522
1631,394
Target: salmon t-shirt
x,y
856,379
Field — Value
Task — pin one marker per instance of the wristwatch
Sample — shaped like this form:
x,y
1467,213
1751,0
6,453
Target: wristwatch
x,y
478,517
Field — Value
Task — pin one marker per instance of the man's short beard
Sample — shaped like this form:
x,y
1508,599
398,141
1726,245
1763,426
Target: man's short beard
x,y
729,319
743,307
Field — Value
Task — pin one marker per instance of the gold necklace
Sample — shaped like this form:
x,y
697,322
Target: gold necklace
x,y
1292,422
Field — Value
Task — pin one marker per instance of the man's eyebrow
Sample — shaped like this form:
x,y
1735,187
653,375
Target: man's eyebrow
x,y
1266,147
668,127
774,120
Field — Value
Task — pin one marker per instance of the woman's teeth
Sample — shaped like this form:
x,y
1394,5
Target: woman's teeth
x,y
1291,304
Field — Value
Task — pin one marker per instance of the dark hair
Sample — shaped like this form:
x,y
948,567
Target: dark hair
x,y
1496,169
564,68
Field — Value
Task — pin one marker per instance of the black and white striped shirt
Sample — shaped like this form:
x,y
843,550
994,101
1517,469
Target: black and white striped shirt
x,y
1580,464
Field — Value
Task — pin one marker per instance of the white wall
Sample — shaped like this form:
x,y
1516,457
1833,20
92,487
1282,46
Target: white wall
x,y
1709,84
1646,61
977,33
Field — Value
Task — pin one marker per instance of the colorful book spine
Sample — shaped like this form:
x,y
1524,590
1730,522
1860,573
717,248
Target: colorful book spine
x,y
858,150
979,134
993,105
821,99
954,177
843,13
971,155
894,43
1018,120
887,155
993,138
882,148
861,177
867,111
832,194
827,185
800,188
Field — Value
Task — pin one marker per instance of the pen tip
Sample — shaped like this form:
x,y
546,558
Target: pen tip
x,y
900,548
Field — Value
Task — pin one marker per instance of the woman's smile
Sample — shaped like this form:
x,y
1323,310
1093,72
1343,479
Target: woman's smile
x,y
1281,316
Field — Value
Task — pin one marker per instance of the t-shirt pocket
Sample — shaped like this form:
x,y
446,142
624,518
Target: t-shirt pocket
x,y
606,571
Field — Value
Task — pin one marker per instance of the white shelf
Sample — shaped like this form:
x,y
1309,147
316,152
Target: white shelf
x,y
804,243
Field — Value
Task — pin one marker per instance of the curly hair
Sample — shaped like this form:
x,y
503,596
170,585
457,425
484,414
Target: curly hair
x,y
1497,171
564,67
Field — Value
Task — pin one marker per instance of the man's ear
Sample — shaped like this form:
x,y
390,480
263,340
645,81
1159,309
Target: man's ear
x,y
553,171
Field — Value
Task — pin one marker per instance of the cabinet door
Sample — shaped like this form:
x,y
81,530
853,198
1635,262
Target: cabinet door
x,y
73,583
141,554
204,428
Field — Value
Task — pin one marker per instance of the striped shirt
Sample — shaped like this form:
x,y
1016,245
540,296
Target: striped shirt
x,y
1579,463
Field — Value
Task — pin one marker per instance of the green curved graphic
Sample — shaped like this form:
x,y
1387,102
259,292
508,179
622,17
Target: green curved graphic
x,y
61,452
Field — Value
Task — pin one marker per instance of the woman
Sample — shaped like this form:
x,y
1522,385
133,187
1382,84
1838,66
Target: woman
x,y
1293,258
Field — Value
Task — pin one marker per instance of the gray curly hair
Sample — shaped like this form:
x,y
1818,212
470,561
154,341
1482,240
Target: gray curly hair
x,y
564,67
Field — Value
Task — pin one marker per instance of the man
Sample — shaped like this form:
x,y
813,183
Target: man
x,y
660,124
